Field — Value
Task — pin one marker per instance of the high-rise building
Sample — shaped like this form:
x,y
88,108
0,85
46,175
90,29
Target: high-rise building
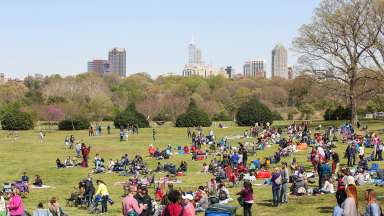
x,y
254,68
116,60
195,65
194,54
2,78
98,66
280,62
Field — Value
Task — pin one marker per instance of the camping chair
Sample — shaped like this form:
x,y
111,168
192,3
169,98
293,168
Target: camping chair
x,y
374,167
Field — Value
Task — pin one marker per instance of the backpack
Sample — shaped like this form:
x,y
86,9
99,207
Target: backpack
x,y
278,181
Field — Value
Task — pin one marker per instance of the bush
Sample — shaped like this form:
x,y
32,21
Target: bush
x,y
74,124
130,116
16,120
276,116
340,113
222,116
161,116
193,117
254,111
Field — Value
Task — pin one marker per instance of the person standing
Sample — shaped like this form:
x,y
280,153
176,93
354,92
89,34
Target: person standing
x,y
350,205
143,198
102,191
41,136
373,208
121,134
284,183
189,209
15,205
109,129
130,206
246,195
154,135
276,186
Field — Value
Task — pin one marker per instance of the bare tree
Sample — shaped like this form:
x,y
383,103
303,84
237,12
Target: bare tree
x,y
341,43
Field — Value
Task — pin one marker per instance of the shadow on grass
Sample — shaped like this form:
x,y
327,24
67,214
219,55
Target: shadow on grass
x,y
325,209
266,203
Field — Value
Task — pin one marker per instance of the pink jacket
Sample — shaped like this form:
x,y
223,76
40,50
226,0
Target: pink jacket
x,y
15,206
129,204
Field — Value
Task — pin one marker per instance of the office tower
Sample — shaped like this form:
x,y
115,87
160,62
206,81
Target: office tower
x,y
98,66
279,62
194,54
254,68
116,60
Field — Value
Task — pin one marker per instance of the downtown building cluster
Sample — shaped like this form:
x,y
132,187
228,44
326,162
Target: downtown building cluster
x,y
116,63
252,68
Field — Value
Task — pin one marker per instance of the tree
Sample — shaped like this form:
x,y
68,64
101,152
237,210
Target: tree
x,y
52,113
193,117
341,43
253,111
130,116
16,120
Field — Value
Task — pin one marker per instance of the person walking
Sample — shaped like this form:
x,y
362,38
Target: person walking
x,y
246,195
284,183
102,191
276,180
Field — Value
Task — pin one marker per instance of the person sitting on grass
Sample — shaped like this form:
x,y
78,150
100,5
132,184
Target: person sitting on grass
x,y
183,167
25,178
223,194
69,162
59,164
41,211
38,181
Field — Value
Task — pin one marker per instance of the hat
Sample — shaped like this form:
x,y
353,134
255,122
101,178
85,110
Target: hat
x,y
188,197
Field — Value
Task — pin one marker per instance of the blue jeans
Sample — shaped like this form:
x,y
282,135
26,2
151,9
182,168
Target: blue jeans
x,y
276,195
284,193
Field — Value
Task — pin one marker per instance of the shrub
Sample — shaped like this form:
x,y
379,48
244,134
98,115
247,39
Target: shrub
x,y
161,116
130,116
254,111
74,124
276,116
222,116
340,113
16,120
193,117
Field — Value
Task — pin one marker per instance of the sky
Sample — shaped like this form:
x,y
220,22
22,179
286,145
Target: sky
x,y
60,36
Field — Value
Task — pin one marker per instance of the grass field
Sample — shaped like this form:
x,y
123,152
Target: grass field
x,y
28,154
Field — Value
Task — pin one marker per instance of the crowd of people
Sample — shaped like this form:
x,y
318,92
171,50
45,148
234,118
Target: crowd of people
x,y
229,165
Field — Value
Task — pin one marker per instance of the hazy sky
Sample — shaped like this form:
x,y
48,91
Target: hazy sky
x,y
60,36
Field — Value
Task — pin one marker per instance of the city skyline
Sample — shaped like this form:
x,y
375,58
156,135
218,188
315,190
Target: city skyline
x,y
71,32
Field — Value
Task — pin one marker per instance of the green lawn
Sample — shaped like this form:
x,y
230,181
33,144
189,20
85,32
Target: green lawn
x,y
28,154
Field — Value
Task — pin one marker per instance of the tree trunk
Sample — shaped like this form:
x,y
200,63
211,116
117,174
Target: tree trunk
x,y
353,104
352,97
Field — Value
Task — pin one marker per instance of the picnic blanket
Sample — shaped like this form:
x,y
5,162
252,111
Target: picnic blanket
x,y
42,187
